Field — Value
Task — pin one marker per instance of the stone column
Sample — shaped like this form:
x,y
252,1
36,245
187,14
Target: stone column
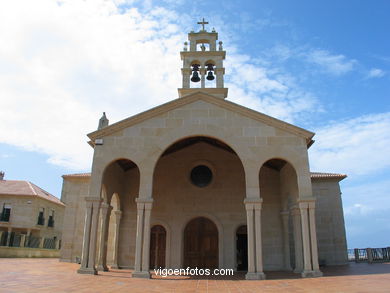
x,y
87,231
297,240
141,267
286,240
255,257
307,268
105,213
313,238
93,238
186,73
138,240
8,236
118,215
219,77
146,244
202,72
22,240
90,236
58,241
41,242
259,244
251,240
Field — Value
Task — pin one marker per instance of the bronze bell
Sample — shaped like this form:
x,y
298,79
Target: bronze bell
x,y
195,77
210,76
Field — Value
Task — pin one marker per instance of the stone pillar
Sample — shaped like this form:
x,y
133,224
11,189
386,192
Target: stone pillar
x,y
118,215
8,236
313,240
90,235
202,73
57,244
41,242
138,240
87,231
93,237
255,257
146,242
259,244
297,240
286,240
22,240
370,258
105,213
219,77
141,267
251,239
307,268
186,73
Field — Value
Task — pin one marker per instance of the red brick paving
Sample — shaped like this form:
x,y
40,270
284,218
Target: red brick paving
x,y
50,275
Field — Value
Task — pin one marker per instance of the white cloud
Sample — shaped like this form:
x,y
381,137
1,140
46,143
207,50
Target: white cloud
x,y
333,64
63,63
375,72
357,146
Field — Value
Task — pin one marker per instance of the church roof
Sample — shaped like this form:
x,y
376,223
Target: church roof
x,y
313,175
26,188
128,122
320,175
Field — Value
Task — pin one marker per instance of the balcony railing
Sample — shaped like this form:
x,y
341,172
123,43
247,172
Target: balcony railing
x,y
369,255
11,239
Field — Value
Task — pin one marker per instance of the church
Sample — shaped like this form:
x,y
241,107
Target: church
x,y
202,182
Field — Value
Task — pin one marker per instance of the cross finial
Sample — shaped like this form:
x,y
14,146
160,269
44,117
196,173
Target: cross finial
x,y
203,22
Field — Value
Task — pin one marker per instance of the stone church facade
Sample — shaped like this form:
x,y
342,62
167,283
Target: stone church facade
x,y
202,182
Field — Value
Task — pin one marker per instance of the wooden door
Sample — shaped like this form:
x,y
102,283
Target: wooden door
x,y
158,237
201,244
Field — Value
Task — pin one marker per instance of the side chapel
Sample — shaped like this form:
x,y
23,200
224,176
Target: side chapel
x,y
202,182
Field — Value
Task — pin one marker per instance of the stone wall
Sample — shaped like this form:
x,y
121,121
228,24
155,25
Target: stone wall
x,y
332,244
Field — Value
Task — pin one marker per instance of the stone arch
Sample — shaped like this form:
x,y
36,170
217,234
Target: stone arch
x,y
278,163
217,133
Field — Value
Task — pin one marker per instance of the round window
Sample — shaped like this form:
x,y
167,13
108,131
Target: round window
x,y
201,176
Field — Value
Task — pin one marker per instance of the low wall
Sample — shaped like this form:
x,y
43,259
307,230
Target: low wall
x,y
28,252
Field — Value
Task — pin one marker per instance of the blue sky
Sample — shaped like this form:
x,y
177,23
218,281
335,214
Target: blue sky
x,y
321,65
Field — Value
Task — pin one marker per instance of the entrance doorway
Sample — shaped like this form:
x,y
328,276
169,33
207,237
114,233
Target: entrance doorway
x,y
201,244
242,248
158,237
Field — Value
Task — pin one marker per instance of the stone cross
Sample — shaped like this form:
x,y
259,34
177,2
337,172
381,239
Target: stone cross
x,y
203,22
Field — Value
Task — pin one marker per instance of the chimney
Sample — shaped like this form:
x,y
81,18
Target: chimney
x,y
2,175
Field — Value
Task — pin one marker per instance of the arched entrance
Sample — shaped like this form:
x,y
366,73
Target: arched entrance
x,y
201,244
158,236
242,248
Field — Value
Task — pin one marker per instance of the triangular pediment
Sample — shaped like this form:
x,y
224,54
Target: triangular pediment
x,y
180,102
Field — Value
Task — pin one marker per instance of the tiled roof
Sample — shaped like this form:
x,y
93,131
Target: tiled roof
x,y
21,187
313,175
321,175
76,175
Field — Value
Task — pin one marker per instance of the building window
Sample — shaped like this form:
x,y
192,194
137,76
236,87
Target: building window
x,y
6,213
41,216
50,222
201,176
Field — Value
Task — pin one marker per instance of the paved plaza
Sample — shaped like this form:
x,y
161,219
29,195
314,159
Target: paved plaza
x,y
50,275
